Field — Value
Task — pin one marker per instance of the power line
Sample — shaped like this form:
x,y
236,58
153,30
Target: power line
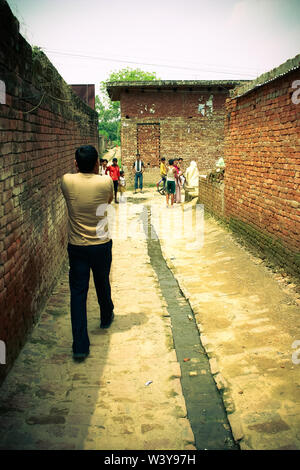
x,y
80,54
108,59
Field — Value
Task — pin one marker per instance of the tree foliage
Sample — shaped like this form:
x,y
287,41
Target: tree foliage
x,y
109,111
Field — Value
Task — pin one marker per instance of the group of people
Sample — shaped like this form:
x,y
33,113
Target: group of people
x,y
173,179
118,176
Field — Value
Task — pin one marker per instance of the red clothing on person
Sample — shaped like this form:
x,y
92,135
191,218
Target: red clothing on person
x,y
176,168
114,172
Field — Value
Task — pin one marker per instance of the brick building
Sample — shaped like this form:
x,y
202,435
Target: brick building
x,y
260,196
172,119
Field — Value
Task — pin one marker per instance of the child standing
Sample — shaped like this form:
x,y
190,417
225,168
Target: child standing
x,y
177,197
171,175
163,172
114,172
103,167
122,185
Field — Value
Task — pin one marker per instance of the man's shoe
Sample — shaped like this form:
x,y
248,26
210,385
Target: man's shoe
x,y
80,356
107,325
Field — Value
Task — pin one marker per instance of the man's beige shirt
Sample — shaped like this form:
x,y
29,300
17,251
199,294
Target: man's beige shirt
x,y
87,197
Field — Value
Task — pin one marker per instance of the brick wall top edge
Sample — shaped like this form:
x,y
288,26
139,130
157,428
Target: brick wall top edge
x,y
43,70
26,70
284,69
175,82
115,88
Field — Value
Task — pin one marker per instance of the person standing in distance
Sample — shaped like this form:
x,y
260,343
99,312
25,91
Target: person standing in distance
x,y
87,195
114,172
171,177
139,168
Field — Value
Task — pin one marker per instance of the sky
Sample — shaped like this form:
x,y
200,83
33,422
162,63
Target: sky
x,y
86,40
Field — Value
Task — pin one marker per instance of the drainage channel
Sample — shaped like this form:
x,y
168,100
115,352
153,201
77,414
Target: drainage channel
x,y
205,408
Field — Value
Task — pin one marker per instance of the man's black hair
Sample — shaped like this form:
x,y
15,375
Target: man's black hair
x,y
163,159
86,157
115,160
171,162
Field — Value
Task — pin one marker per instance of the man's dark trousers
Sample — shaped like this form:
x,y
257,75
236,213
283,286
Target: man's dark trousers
x,y
82,259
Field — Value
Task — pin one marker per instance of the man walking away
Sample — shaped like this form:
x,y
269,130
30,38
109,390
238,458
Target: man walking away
x,y
138,177
87,196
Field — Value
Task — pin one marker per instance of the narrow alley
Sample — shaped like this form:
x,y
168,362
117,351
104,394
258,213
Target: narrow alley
x,y
198,346
142,387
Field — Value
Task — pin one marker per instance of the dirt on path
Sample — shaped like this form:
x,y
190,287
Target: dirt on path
x,y
126,395
114,152
249,323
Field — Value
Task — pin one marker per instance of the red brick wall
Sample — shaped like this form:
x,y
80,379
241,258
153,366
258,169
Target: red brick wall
x,y
184,131
148,143
36,149
262,152
211,194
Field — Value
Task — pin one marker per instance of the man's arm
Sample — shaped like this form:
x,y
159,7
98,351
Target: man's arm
x,y
111,194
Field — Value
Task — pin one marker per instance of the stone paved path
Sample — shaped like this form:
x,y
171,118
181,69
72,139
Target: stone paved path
x,y
249,319
248,322
48,401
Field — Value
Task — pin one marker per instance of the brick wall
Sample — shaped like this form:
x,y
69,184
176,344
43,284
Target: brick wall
x,y
41,125
176,124
211,194
262,152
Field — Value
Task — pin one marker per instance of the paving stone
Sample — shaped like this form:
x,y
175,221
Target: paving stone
x,y
102,402
249,321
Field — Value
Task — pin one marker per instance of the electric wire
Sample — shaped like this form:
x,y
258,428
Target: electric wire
x,y
106,59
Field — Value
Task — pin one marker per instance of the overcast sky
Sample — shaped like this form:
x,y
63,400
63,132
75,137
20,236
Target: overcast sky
x,y
179,39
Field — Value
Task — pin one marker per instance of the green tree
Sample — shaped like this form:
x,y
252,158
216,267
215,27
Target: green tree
x,y
109,111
